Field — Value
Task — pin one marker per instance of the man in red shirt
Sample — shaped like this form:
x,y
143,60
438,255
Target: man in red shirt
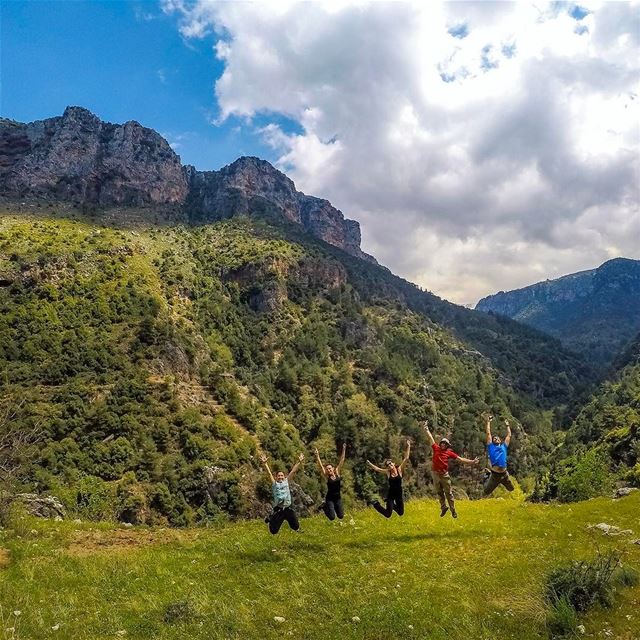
x,y
442,453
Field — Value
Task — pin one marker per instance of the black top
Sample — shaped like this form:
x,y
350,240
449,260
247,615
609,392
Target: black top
x,y
333,487
395,484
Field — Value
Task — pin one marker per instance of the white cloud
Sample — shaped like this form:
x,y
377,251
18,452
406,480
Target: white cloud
x,y
474,163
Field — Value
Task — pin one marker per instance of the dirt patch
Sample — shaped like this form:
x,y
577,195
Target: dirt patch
x,y
4,558
86,543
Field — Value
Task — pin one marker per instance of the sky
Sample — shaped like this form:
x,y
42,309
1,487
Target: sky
x,y
483,146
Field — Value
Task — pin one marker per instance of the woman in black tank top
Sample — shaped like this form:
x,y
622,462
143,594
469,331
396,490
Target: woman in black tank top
x,y
332,505
395,499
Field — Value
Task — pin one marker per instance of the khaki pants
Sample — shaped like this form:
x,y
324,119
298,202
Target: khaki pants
x,y
442,483
496,479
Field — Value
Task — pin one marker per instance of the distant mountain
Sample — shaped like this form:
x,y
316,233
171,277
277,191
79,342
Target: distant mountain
x,y
595,312
96,165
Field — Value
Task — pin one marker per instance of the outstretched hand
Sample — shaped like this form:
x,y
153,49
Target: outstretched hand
x,y
263,458
301,457
476,460
344,446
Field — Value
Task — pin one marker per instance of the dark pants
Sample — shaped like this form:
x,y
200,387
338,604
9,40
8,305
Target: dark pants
x,y
333,507
495,479
281,514
394,503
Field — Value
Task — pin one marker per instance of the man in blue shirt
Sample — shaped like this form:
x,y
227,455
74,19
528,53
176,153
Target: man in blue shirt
x,y
497,474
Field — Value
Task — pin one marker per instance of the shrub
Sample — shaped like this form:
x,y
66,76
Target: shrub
x,y
627,576
562,620
587,476
583,584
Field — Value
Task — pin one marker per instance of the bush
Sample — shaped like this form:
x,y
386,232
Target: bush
x,y
583,584
627,576
562,621
586,476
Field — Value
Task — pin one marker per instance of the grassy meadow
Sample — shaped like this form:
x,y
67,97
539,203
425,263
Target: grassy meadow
x,y
480,577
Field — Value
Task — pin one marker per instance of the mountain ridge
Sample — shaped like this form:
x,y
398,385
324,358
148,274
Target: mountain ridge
x,y
81,159
594,312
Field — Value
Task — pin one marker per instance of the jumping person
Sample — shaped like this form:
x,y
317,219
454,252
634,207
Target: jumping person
x,y
497,474
442,453
395,499
282,509
332,506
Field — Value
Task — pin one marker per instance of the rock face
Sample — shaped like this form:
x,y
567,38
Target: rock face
x,y
594,312
253,186
80,159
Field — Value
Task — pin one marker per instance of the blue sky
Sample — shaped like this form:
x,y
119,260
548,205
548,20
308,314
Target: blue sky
x,y
440,126
123,61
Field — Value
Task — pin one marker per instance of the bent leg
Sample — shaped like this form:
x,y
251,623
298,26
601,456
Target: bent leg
x,y
506,482
398,505
490,484
339,508
292,518
276,520
385,511
329,509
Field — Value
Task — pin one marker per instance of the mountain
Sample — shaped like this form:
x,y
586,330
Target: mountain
x,y
156,360
80,159
593,312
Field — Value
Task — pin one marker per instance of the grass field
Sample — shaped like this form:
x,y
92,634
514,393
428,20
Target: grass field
x,y
420,576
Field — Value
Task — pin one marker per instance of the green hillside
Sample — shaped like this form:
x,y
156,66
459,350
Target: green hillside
x,y
417,577
155,361
603,440
594,313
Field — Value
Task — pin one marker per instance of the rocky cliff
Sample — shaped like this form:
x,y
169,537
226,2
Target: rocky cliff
x,y
80,159
595,312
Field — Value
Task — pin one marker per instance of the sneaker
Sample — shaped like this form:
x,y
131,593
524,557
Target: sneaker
x,y
454,514
444,510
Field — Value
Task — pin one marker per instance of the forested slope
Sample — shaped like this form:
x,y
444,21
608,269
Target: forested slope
x,y
156,361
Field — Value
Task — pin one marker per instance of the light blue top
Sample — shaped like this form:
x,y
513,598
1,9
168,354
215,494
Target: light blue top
x,y
281,494
497,454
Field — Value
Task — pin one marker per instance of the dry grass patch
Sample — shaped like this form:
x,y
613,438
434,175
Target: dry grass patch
x,y
87,543
4,558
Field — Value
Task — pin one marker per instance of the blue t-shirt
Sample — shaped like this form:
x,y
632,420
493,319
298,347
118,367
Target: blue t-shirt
x,y
497,454
281,494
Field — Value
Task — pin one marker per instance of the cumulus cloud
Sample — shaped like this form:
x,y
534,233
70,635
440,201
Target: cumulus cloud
x,y
482,145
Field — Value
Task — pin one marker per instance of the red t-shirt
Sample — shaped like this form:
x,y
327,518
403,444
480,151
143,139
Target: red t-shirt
x,y
441,458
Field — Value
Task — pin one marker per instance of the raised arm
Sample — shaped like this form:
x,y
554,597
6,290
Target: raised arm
x,y
487,427
507,439
373,466
265,463
296,466
406,455
343,455
429,434
319,461
467,460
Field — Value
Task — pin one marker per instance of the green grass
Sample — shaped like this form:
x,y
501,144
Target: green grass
x,y
420,576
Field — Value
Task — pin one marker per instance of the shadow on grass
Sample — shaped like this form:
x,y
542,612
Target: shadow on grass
x,y
407,538
277,554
